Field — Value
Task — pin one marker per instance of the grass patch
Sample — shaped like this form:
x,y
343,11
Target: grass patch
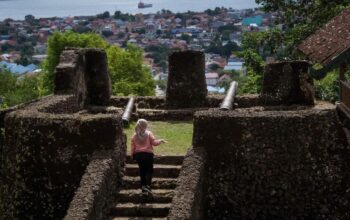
x,y
177,134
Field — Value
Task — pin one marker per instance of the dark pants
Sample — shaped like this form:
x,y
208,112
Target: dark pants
x,y
145,162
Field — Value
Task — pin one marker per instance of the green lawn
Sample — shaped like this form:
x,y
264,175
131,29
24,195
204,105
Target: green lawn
x,y
177,134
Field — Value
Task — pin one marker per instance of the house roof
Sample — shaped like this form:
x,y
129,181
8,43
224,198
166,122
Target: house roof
x,y
17,69
211,76
234,66
229,68
213,89
253,20
330,44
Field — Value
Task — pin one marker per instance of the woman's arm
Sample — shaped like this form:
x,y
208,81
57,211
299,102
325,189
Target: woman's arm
x,y
154,141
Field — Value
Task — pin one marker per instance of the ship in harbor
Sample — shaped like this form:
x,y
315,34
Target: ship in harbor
x,y
144,5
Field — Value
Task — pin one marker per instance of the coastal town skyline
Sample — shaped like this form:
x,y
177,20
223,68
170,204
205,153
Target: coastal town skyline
x,y
218,33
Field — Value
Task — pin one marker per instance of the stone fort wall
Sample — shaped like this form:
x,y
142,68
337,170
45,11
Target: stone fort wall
x,y
268,164
275,156
284,158
50,144
46,154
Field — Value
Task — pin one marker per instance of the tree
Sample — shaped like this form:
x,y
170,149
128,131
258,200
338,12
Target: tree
x,y
58,42
30,19
15,90
214,66
160,53
302,17
229,48
162,84
179,15
186,38
166,11
7,81
251,83
311,12
252,61
328,87
226,50
226,35
104,15
214,12
27,88
159,32
27,51
265,44
230,28
121,35
141,31
118,15
127,73
124,17
4,29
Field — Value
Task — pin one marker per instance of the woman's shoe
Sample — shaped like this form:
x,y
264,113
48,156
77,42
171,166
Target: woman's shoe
x,y
148,190
144,191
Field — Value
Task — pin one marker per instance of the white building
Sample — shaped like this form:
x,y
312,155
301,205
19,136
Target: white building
x,y
211,79
235,66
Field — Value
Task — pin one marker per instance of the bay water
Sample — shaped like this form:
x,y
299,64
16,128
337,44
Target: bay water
x,y
17,9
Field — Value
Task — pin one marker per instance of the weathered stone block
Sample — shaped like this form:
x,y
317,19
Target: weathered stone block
x,y
186,83
45,156
287,83
189,199
84,73
275,164
66,72
94,85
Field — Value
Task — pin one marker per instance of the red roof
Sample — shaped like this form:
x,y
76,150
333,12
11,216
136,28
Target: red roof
x,y
330,41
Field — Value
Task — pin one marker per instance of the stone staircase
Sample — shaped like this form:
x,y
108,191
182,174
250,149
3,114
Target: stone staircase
x,y
131,205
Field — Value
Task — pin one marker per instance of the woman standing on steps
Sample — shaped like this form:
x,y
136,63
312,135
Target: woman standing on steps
x,y
142,144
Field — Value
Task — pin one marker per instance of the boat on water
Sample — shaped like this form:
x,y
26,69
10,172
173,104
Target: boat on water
x,y
144,5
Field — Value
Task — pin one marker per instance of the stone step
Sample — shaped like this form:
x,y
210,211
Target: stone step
x,y
132,182
135,196
141,210
159,159
159,170
135,218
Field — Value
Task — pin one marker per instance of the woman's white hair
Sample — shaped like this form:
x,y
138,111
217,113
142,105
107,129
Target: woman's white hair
x,y
142,123
141,130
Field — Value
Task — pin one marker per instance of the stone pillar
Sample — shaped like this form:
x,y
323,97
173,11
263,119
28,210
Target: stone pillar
x,y
287,83
186,83
84,73
66,72
94,84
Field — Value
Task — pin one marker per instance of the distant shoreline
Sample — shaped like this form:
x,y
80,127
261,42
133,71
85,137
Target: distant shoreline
x,y
18,9
111,14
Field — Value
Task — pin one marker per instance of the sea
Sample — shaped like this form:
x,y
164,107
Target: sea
x,y
17,9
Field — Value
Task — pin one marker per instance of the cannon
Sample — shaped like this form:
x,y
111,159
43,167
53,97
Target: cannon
x,y
128,112
227,104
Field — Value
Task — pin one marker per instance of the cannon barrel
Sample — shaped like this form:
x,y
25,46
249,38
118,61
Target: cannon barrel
x,y
128,111
227,104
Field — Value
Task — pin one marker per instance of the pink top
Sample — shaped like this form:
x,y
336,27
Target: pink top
x,y
146,145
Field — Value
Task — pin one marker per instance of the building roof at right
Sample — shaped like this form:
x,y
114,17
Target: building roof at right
x,y
329,45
